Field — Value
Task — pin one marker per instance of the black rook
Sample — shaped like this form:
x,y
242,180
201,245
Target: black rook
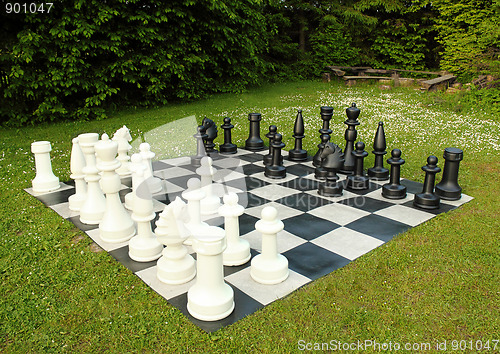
x,y
254,142
448,188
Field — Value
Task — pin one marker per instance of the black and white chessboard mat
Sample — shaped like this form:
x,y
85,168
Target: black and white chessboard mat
x,y
321,234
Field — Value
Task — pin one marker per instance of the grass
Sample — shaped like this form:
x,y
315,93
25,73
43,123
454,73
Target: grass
x,y
438,281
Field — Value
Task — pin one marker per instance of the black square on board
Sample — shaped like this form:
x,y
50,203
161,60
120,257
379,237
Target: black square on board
x,y
378,226
313,261
308,226
303,201
56,197
366,203
244,306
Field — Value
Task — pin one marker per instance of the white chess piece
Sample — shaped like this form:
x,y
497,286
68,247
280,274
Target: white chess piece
x,y
77,165
269,267
238,249
94,206
116,224
122,137
144,247
175,266
210,299
136,166
45,180
193,194
147,155
211,203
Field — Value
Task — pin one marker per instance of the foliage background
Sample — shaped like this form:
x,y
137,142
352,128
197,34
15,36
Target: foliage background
x,y
85,58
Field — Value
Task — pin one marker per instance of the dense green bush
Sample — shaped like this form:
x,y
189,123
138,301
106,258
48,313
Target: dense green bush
x,y
84,55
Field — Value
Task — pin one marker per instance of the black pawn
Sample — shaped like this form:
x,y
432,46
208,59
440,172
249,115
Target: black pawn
x,y
297,153
319,172
350,136
211,134
393,189
427,199
254,142
228,147
200,146
276,169
326,116
273,130
378,172
448,188
358,181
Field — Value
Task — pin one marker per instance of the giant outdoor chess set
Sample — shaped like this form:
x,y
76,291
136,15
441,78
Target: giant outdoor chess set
x,y
260,222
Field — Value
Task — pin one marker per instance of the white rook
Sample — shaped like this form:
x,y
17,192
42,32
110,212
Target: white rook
x,y
45,180
210,299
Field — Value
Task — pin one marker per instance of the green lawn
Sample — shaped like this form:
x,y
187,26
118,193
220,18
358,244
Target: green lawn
x,y
439,281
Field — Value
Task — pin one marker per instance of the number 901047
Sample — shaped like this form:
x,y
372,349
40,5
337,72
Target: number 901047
x,y
28,8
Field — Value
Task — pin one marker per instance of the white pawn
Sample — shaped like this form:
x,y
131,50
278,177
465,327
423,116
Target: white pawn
x,y
211,203
175,266
193,194
45,180
210,299
116,224
238,250
122,137
269,267
136,166
147,155
77,165
94,206
144,247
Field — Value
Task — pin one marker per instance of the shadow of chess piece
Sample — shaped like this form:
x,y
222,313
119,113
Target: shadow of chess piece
x,y
394,189
228,147
358,181
350,136
332,160
378,172
297,153
427,199
448,188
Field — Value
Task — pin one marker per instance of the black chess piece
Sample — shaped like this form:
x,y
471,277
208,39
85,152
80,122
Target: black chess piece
x,y
228,147
359,181
273,130
211,134
254,142
200,146
276,169
448,188
350,136
326,116
297,153
332,159
378,172
427,199
394,189
319,172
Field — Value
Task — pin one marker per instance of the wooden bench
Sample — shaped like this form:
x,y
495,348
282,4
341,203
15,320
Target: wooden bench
x,y
351,80
442,81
